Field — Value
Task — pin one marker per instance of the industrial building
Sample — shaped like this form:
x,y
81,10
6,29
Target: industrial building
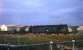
x,y
62,28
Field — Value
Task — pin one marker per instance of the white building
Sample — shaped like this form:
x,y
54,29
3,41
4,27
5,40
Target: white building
x,y
27,29
69,29
13,28
80,29
73,28
3,28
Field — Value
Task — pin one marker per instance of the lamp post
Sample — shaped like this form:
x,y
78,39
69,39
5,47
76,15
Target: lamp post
x,y
51,45
73,44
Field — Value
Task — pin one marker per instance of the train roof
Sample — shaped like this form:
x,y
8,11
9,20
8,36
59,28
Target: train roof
x,y
49,25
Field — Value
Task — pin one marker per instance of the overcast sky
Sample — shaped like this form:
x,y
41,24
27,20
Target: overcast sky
x,y
35,12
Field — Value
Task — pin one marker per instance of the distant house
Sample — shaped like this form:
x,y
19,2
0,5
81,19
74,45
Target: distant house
x,y
80,29
3,28
73,29
14,28
24,29
70,29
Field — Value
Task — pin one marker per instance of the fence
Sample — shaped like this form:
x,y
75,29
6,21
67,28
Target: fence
x,y
44,46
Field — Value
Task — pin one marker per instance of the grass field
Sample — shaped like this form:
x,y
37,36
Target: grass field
x,y
34,38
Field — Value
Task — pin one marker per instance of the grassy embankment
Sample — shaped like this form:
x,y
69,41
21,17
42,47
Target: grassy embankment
x,y
33,38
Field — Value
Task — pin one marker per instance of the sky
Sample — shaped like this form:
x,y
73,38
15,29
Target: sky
x,y
41,12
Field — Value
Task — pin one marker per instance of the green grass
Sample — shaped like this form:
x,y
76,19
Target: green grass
x,y
33,38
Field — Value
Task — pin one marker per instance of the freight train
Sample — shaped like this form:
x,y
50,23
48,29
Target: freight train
x,y
49,29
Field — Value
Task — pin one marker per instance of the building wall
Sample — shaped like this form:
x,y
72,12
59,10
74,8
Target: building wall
x,y
12,28
80,29
73,29
69,29
3,28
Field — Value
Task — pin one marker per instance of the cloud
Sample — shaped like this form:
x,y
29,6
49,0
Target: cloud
x,y
43,11
63,11
1,7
